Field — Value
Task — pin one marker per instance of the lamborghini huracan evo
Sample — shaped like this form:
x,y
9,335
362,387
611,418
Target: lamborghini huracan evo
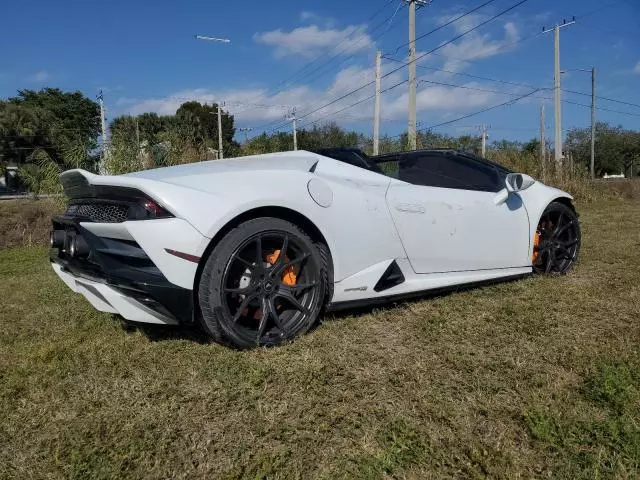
x,y
257,248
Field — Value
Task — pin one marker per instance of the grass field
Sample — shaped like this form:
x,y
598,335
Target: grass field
x,y
534,378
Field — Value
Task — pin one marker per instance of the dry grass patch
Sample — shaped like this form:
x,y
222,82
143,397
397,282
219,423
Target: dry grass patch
x,y
27,222
534,378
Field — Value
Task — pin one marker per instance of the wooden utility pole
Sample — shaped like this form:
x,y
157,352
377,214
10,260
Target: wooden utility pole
x,y
105,149
220,152
137,133
376,111
246,131
412,134
484,135
556,87
292,117
412,76
593,122
543,147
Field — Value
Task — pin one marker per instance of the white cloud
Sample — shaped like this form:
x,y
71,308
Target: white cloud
x,y
475,45
636,69
310,40
307,16
541,17
478,46
39,77
257,108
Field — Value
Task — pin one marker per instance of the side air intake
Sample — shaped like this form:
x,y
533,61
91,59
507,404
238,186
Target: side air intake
x,y
391,277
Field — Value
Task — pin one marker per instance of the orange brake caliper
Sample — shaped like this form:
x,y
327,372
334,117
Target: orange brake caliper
x,y
536,243
289,275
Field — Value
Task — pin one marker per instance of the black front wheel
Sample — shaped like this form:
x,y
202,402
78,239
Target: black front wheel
x,y
557,240
263,284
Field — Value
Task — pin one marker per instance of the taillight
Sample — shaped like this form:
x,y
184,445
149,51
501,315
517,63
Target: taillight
x,y
154,210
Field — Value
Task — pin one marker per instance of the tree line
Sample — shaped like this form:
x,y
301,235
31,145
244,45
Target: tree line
x,y
44,132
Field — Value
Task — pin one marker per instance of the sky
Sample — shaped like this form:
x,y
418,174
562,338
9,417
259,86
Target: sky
x,y
311,56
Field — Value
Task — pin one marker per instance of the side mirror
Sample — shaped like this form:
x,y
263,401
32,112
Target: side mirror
x,y
517,182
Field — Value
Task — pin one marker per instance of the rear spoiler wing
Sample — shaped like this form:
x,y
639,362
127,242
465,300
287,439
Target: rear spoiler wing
x,y
80,183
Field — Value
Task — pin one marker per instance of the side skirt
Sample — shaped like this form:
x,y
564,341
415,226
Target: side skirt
x,y
421,294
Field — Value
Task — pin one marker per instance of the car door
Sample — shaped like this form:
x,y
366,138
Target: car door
x,y
447,219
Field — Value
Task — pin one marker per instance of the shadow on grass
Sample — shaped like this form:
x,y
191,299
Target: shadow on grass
x,y
160,333
195,333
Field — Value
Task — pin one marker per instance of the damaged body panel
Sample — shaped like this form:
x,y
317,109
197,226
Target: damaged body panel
x,y
256,247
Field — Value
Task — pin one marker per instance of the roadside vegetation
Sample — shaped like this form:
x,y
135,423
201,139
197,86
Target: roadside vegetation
x,y
45,132
533,378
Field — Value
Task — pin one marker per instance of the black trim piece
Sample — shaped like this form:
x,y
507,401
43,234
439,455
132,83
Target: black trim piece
x,y
352,156
391,277
124,266
140,205
116,208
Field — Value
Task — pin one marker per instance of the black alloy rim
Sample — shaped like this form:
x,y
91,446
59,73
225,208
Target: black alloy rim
x,y
261,302
558,242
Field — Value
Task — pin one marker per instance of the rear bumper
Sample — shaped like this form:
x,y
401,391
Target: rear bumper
x,y
128,272
111,299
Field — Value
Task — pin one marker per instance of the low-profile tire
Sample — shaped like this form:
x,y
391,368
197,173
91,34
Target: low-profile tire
x,y
558,240
265,283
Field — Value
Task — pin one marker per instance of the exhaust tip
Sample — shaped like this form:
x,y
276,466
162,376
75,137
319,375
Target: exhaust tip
x,y
57,238
78,246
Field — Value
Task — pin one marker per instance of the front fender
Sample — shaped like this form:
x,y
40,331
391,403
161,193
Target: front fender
x,y
536,198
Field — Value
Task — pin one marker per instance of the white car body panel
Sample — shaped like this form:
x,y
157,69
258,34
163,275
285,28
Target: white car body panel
x,y
438,237
156,235
448,230
536,198
358,287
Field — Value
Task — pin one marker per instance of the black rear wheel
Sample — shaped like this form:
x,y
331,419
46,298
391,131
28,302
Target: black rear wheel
x,y
557,242
263,284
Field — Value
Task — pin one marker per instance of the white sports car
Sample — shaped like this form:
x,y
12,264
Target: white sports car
x,y
256,248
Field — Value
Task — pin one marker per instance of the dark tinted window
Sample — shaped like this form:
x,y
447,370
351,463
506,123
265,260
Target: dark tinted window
x,y
355,158
434,169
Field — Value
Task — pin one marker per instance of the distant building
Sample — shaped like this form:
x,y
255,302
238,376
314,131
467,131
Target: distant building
x,y
9,181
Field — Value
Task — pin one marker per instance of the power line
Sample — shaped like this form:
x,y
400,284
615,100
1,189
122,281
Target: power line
x,y
478,77
519,84
354,104
509,102
445,84
326,52
352,55
482,55
336,55
604,109
521,40
478,112
440,27
442,45
538,96
603,98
